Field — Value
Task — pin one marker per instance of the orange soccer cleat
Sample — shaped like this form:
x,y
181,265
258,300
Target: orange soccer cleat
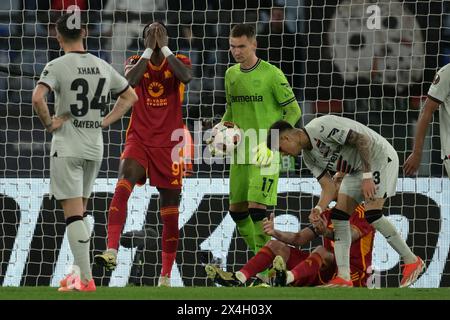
x,y
71,281
338,282
411,272
81,287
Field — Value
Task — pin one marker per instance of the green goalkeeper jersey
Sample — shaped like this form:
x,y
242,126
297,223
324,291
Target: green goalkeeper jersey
x,y
256,98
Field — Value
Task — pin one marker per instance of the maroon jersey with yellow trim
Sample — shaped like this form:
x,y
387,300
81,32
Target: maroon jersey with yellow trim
x,y
361,249
157,113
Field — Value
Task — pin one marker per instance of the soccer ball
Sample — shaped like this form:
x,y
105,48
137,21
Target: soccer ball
x,y
225,137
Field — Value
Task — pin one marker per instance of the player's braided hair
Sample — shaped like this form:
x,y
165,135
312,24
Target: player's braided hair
x,y
148,25
69,33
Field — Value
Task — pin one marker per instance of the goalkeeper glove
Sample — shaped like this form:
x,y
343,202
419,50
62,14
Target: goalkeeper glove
x,y
263,156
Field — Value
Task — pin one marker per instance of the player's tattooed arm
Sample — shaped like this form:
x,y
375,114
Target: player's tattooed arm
x,y
362,143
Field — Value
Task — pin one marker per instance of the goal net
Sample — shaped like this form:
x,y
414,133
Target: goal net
x,y
372,61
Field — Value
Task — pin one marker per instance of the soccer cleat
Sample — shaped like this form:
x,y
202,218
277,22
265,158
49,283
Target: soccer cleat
x,y
88,287
70,282
280,271
224,278
164,281
107,260
411,272
258,283
81,287
338,282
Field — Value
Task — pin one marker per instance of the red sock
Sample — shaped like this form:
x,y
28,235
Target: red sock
x,y
258,263
169,216
305,272
117,214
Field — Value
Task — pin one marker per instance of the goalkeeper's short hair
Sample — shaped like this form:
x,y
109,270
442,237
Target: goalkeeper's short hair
x,y
243,29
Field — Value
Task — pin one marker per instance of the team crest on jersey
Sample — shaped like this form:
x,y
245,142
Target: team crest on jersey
x,y
167,74
155,89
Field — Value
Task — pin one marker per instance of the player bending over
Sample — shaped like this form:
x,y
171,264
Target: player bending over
x,y
331,143
159,77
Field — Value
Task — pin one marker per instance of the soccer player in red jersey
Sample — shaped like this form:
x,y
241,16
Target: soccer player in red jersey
x,y
305,268
158,77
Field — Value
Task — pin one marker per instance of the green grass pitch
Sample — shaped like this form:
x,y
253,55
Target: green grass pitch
x,y
217,293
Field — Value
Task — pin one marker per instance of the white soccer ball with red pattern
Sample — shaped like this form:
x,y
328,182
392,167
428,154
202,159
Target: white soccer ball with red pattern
x,y
225,137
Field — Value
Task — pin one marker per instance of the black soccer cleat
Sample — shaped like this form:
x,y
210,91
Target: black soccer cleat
x,y
224,278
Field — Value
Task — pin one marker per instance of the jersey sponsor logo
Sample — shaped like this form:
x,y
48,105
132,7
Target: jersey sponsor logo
x,y
155,89
87,124
343,166
88,70
254,98
323,148
333,132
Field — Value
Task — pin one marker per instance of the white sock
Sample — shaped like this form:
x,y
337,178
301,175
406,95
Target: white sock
x,y
388,230
87,224
240,276
79,242
113,251
289,277
342,242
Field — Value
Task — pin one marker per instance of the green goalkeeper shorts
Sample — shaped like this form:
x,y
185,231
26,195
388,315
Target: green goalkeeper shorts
x,y
248,183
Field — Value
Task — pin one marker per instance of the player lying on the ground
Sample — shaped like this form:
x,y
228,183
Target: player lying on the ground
x,y
305,268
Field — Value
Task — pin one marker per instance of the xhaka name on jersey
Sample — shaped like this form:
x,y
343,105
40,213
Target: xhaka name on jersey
x,y
88,70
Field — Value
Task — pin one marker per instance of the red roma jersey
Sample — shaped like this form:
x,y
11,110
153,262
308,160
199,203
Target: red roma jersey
x,y
158,112
361,249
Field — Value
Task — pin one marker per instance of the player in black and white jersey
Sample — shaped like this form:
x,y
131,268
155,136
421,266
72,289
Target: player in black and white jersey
x,y
438,96
336,144
81,83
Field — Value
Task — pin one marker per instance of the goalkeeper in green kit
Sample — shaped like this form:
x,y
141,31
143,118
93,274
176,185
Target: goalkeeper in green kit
x,y
257,95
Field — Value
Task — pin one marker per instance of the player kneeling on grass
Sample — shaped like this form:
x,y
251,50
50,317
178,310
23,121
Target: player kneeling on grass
x,y
331,143
305,268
